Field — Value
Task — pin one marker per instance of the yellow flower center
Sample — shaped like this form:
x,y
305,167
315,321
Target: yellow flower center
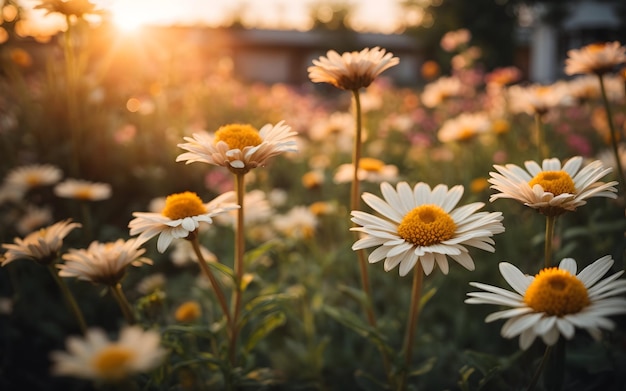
x,y
112,361
181,205
466,133
596,47
426,225
188,311
371,164
238,136
33,180
556,292
83,193
555,182
500,126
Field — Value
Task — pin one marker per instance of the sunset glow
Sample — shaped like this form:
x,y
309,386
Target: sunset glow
x,y
129,15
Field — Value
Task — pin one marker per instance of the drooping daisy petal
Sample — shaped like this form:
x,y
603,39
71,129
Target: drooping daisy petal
x,y
351,70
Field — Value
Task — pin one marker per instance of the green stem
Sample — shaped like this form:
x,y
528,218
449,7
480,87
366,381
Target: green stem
x,y
544,360
414,308
550,221
542,147
207,272
354,205
609,120
118,294
239,266
69,298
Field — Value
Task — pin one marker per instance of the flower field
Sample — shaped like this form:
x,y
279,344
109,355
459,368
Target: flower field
x,y
172,230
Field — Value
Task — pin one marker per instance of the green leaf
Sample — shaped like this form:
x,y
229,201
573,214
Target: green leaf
x,y
256,253
427,296
356,324
263,303
268,324
424,368
223,269
357,294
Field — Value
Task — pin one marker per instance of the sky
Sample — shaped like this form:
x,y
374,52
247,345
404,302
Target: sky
x,y
370,15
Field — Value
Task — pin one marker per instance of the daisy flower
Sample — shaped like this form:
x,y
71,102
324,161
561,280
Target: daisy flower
x,y
464,127
182,215
555,301
538,99
424,225
102,263
96,357
597,58
298,223
41,246
351,70
79,189
370,170
239,147
258,210
437,92
552,188
35,175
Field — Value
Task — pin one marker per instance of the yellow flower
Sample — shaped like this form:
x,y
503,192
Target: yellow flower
x,y
21,57
188,312
597,58
351,70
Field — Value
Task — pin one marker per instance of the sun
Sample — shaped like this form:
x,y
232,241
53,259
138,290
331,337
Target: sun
x,y
131,16
127,23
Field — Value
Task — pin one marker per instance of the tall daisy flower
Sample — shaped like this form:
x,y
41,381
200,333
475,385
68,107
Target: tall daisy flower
x,y
97,357
552,188
42,246
351,70
103,263
597,58
424,225
238,147
182,215
555,302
